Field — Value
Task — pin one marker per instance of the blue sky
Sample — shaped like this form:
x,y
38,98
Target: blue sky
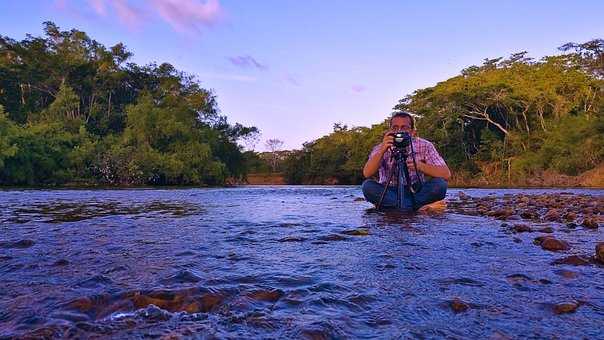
x,y
293,68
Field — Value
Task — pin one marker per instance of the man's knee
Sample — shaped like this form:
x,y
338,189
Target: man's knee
x,y
371,189
439,187
368,185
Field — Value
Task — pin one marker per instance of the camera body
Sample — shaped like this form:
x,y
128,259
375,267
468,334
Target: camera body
x,y
401,139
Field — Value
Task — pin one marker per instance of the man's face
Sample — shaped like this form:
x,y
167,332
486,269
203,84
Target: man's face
x,y
401,124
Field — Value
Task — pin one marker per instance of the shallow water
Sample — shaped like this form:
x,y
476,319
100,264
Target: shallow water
x,y
310,262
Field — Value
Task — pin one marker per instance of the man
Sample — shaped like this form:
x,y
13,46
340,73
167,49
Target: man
x,y
428,161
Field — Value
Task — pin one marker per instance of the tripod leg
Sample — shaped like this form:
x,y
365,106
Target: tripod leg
x,y
379,206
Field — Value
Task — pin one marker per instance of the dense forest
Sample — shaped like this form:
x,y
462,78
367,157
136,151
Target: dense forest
x,y
73,111
504,121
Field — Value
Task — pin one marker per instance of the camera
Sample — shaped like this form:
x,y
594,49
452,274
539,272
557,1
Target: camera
x,y
401,139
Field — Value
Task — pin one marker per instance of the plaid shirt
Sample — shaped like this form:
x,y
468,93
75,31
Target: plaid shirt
x,y
424,152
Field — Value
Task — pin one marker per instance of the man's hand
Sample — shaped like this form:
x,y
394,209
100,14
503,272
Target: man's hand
x,y
373,164
387,141
441,171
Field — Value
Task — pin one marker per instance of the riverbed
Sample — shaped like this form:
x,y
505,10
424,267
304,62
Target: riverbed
x,y
286,262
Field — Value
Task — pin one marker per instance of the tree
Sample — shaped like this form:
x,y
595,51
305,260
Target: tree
x,y
274,145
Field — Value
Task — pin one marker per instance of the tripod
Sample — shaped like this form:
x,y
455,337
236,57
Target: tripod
x,y
399,154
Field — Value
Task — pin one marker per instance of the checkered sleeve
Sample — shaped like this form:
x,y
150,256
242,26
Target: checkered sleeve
x,y
431,156
375,150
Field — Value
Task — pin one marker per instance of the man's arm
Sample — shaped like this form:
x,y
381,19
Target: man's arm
x,y
441,171
433,165
373,164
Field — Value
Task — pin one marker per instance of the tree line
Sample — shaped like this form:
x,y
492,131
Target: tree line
x,y
510,117
75,111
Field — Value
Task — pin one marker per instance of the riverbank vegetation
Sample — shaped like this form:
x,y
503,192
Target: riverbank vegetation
x,y
75,111
506,122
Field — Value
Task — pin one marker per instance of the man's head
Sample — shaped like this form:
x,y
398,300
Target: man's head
x,y
402,121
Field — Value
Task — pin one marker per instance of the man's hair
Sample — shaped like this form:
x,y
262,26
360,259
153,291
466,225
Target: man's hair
x,y
403,114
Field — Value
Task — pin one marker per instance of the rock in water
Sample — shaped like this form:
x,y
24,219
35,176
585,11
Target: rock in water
x,y
573,260
552,215
458,305
600,252
566,307
590,223
551,243
522,228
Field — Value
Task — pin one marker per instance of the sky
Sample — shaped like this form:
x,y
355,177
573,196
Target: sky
x,y
293,68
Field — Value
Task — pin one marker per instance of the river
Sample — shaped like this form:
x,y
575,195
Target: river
x,y
281,262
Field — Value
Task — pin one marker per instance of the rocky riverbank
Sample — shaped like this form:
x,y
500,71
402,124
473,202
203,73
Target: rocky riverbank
x,y
549,216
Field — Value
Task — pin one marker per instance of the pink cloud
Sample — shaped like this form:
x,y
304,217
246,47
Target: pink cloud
x,y
98,6
246,61
185,16
358,88
129,15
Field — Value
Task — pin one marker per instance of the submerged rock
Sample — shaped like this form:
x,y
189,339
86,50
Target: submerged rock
x,y
546,230
522,228
600,252
574,260
566,307
19,244
356,232
551,243
458,305
266,295
61,262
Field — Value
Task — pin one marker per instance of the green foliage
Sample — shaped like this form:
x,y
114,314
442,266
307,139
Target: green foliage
x,y
516,114
336,158
8,132
80,112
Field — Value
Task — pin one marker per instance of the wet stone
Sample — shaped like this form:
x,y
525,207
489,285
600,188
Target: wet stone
x,y
266,295
566,307
293,239
333,237
356,232
567,274
574,260
552,244
522,228
529,215
458,306
590,223
19,244
552,215
600,252
546,230
61,262
569,216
